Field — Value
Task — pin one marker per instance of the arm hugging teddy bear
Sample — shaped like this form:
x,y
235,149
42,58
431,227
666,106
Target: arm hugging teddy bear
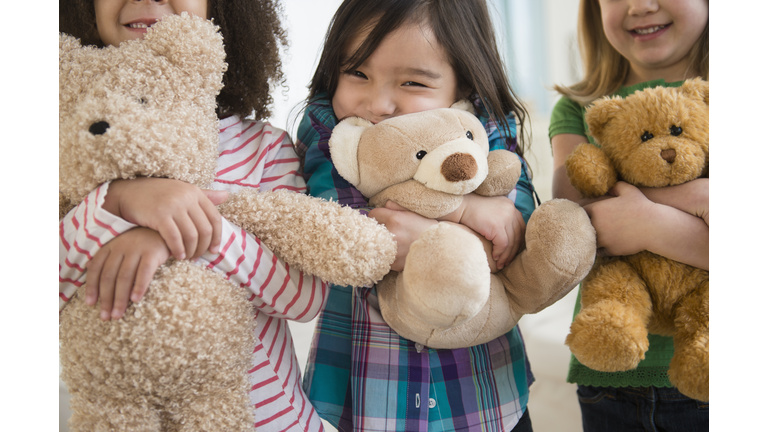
x,y
179,359
446,296
654,138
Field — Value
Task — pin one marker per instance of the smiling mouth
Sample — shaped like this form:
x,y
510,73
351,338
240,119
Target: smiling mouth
x,y
138,25
649,30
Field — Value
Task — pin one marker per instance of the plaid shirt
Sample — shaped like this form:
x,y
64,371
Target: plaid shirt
x,y
362,376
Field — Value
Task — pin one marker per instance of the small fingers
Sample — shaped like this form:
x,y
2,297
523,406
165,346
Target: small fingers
x,y
93,274
107,285
204,231
144,274
124,285
172,237
189,234
214,218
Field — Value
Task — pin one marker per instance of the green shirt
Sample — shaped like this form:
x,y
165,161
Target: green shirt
x,y
568,118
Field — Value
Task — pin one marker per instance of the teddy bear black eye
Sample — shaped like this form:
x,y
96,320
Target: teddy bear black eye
x,y
646,136
675,130
420,155
470,136
99,127
142,100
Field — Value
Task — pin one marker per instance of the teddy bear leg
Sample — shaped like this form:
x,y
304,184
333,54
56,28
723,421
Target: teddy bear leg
x,y
215,411
610,333
689,368
99,413
560,245
446,278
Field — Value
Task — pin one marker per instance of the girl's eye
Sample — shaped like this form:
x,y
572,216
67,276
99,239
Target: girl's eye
x,y
675,130
359,74
646,136
414,83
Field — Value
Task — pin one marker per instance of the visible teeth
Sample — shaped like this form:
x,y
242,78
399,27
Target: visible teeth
x,y
137,25
649,30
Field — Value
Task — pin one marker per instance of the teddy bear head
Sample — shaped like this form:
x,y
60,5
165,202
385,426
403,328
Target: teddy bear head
x,y
144,108
656,137
444,149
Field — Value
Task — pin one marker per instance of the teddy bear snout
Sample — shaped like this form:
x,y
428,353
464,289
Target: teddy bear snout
x,y
459,167
669,155
99,128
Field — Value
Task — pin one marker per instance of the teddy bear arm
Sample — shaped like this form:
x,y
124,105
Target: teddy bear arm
x,y
322,238
559,252
590,170
504,170
418,198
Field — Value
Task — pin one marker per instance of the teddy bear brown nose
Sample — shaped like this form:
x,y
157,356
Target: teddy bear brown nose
x,y
668,155
459,167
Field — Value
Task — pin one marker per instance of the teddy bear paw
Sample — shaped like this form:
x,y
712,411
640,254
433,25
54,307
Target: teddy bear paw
x,y
446,279
606,339
689,367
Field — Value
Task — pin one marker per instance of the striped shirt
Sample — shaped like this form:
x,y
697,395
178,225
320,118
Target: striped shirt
x,y
252,154
362,376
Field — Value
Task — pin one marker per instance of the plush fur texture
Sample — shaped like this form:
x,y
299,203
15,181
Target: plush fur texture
x,y
625,298
178,360
446,296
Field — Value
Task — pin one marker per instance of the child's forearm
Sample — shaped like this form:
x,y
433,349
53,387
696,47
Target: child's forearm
x,y
82,232
680,236
691,197
277,289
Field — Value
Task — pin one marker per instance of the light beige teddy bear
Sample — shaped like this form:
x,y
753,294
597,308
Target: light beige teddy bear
x,y
178,359
653,138
446,296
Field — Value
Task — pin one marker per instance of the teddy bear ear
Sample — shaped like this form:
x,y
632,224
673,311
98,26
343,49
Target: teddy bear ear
x,y
343,145
464,104
600,112
696,88
70,50
189,42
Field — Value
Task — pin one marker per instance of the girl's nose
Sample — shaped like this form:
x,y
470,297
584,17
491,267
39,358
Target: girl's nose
x,y
381,104
643,7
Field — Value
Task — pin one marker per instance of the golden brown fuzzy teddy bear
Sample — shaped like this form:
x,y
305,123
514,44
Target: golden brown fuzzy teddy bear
x,y
178,360
654,138
446,296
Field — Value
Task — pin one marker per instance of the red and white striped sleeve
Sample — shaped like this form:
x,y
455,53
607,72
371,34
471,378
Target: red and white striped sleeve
x,y
82,232
277,289
256,154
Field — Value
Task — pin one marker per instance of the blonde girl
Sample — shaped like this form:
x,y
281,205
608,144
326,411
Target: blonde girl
x,y
628,45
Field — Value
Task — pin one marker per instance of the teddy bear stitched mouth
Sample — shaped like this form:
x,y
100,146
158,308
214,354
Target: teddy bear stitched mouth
x,y
459,167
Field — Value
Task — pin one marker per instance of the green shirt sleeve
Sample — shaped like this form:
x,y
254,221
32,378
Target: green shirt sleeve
x,y
567,118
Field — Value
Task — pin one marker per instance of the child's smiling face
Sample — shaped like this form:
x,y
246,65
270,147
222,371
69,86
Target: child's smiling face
x,y
654,35
121,20
408,72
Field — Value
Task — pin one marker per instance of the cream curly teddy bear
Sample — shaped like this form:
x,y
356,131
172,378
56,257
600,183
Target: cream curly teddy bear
x,y
178,359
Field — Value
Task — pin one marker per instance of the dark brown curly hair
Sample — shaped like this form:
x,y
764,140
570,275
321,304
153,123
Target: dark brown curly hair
x,y
253,35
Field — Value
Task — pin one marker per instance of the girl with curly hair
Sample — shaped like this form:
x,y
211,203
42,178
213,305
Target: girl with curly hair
x,y
146,220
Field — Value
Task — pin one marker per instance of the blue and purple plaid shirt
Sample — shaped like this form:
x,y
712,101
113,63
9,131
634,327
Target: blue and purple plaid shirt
x,y
362,376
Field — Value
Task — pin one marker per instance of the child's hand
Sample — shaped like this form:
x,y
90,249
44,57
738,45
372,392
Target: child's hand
x,y
496,219
622,220
184,215
405,225
123,268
